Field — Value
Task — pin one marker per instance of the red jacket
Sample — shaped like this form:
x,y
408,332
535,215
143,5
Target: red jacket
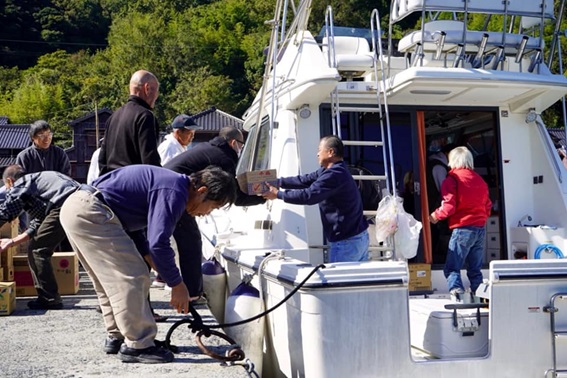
x,y
465,199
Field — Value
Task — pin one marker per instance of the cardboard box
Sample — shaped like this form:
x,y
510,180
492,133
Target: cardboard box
x,y
419,277
65,267
7,298
9,230
7,263
255,182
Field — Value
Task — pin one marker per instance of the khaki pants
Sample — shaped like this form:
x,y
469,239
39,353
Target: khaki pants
x,y
120,276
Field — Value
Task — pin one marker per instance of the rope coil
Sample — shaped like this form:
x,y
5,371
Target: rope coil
x,y
548,248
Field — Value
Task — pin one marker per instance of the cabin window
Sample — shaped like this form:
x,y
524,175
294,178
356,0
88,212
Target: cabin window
x,y
255,155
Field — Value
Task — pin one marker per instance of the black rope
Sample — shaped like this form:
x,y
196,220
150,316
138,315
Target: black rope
x,y
196,323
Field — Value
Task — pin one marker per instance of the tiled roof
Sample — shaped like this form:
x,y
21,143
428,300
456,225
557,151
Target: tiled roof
x,y
6,161
558,136
213,119
14,136
89,115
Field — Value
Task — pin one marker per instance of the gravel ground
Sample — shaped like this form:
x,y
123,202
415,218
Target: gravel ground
x,y
68,343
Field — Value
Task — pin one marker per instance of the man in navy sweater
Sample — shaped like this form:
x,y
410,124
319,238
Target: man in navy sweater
x,y
340,203
133,212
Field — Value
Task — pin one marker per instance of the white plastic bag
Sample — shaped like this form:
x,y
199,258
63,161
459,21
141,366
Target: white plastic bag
x,y
406,237
386,217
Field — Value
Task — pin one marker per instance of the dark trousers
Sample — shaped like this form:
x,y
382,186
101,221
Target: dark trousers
x,y
41,247
189,245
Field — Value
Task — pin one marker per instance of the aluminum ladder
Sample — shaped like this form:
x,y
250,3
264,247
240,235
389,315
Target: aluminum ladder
x,y
386,251
556,335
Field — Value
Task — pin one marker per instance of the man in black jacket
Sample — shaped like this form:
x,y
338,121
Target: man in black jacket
x,y
132,131
221,151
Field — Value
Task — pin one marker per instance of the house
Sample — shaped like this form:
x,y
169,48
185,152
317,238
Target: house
x,y
212,120
13,139
87,131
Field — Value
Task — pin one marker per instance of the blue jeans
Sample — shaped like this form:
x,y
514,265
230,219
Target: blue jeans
x,y
354,248
465,246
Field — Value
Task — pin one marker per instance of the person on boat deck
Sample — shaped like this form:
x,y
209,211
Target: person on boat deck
x,y
466,205
437,169
132,209
182,134
41,195
221,151
340,203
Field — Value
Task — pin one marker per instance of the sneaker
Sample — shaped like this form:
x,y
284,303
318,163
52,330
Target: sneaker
x,y
457,294
112,345
159,318
42,304
151,355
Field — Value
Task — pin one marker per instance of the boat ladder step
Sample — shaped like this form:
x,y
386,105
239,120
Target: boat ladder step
x,y
370,143
369,177
358,109
560,374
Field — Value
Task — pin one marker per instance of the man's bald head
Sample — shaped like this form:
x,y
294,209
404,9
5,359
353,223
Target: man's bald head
x,y
145,85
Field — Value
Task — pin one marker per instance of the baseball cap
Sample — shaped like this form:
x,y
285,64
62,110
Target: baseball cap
x,y
183,121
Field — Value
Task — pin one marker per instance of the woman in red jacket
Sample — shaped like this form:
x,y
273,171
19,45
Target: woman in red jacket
x,y
466,205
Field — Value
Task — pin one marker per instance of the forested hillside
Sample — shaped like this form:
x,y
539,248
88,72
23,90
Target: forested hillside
x,y
61,58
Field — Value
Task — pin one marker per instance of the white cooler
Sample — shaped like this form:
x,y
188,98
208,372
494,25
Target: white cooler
x,y
433,331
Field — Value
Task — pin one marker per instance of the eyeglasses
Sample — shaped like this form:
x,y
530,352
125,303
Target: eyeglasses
x,y
44,136
239,141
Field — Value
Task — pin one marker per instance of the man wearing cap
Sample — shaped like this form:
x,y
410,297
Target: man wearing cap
x,y
182,134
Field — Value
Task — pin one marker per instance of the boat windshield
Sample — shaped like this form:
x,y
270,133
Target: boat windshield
x,y
344,31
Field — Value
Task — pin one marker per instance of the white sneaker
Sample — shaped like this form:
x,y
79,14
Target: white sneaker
x,y
457,295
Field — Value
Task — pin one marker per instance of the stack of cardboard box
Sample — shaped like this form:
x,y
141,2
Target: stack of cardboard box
x,y
16,278
7,288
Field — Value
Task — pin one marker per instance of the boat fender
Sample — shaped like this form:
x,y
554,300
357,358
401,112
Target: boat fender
x,y
548,248
243,303
214,286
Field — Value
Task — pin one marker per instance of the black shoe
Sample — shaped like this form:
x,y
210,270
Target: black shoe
x,y
151,355
41,304
112,345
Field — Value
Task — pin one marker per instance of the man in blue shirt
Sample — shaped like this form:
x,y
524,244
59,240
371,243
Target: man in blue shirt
x,y
340,203
132,212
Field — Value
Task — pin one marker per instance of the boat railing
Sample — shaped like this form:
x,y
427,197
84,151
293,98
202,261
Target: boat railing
x,y
451,40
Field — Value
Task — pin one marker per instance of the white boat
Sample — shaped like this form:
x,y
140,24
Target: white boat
x,y
392,102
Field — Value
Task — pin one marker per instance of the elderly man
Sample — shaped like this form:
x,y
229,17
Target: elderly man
x,y
340,203
41,194
132,131
133,212
182,134
42,155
